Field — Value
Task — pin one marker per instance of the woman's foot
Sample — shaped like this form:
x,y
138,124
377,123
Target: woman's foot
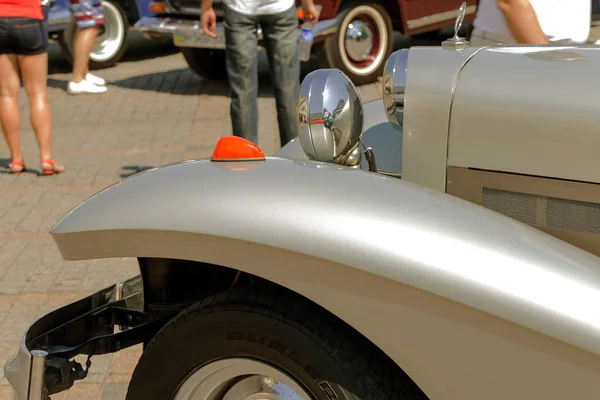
x,y
50,167
84,87
16,167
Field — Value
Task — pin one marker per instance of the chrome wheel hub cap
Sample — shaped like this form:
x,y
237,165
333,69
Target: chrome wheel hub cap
x,y
359,40
240,379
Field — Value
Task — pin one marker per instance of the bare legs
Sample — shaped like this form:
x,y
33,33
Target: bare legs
x,y
83,42
83,81
9,112
34,70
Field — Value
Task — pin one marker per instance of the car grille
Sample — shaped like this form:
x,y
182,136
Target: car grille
x,y
545,211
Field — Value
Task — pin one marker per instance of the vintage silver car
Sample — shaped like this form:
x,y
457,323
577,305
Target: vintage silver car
x,y
439,244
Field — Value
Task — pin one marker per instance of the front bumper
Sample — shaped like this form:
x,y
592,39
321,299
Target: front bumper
x,y
166,27
105,322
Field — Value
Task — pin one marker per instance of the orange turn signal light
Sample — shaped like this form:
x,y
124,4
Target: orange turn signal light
x,y
299,13
234,148
157,8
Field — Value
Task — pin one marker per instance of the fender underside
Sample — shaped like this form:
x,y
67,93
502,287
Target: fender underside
x,y
461,298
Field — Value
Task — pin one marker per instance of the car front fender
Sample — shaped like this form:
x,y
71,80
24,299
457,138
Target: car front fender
x,y
373,250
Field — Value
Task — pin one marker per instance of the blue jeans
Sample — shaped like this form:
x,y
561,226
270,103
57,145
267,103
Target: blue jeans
x,y
281,44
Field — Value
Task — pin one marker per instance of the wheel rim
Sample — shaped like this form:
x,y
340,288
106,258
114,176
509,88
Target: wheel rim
x,y
240,379
110,39
363,40
359,41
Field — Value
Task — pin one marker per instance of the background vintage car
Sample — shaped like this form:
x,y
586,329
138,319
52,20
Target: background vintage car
x,y
111,44
342,23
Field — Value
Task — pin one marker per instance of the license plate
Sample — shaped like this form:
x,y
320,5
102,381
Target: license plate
x,y
197,38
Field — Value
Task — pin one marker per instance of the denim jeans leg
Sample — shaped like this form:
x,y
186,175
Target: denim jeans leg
x,y
281,43
242,70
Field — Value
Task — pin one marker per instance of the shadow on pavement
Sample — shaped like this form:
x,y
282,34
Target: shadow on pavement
x,y
5,170
138,49
130,170
57,84
181,81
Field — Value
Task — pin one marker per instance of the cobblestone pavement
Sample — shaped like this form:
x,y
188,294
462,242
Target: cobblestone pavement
x,y
155,112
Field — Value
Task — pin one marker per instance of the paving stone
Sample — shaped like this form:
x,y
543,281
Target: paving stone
x,y
59,299
17,320
84,390
6,393
123,365
32,298
6,302
114,391
10,251
72,276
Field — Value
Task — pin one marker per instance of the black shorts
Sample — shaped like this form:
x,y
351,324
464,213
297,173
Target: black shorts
x,y
24,36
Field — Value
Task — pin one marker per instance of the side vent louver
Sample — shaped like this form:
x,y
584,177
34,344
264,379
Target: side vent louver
x,y
544,211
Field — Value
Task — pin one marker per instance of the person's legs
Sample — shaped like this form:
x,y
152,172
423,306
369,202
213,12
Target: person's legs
x,y
32,60
280,32
9,111
242,71
88,15
83,41
34,70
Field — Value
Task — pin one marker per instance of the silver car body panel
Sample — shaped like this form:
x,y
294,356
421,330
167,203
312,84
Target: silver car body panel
x,y
542,122
427,106
462,298
378,134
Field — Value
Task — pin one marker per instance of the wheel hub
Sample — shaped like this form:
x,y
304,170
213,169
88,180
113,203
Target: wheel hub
x,y
111,34
359,40
240,379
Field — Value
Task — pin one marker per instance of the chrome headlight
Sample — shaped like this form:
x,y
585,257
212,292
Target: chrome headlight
x,y
394,84
329,117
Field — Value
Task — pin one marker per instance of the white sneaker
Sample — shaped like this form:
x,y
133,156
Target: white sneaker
x,y
84,87
96,80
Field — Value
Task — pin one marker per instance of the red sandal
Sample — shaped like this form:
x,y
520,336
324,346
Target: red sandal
x,y
53,167
16,167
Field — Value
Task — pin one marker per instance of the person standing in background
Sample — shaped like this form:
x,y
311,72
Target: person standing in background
x,y
88,16
531,22
23,55
279,23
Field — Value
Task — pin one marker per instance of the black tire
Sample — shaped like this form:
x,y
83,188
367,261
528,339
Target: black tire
x,y
331,53
332,359
207,63
115,20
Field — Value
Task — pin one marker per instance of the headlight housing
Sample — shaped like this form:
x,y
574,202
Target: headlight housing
x,y
329,117
394,85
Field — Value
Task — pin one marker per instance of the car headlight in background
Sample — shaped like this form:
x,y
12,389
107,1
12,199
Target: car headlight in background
x,y
394,85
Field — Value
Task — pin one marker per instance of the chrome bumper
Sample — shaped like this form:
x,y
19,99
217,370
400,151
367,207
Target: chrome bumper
x,y
165,27
26,370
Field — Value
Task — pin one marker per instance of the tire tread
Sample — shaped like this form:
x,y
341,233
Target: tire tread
x,y
378,376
